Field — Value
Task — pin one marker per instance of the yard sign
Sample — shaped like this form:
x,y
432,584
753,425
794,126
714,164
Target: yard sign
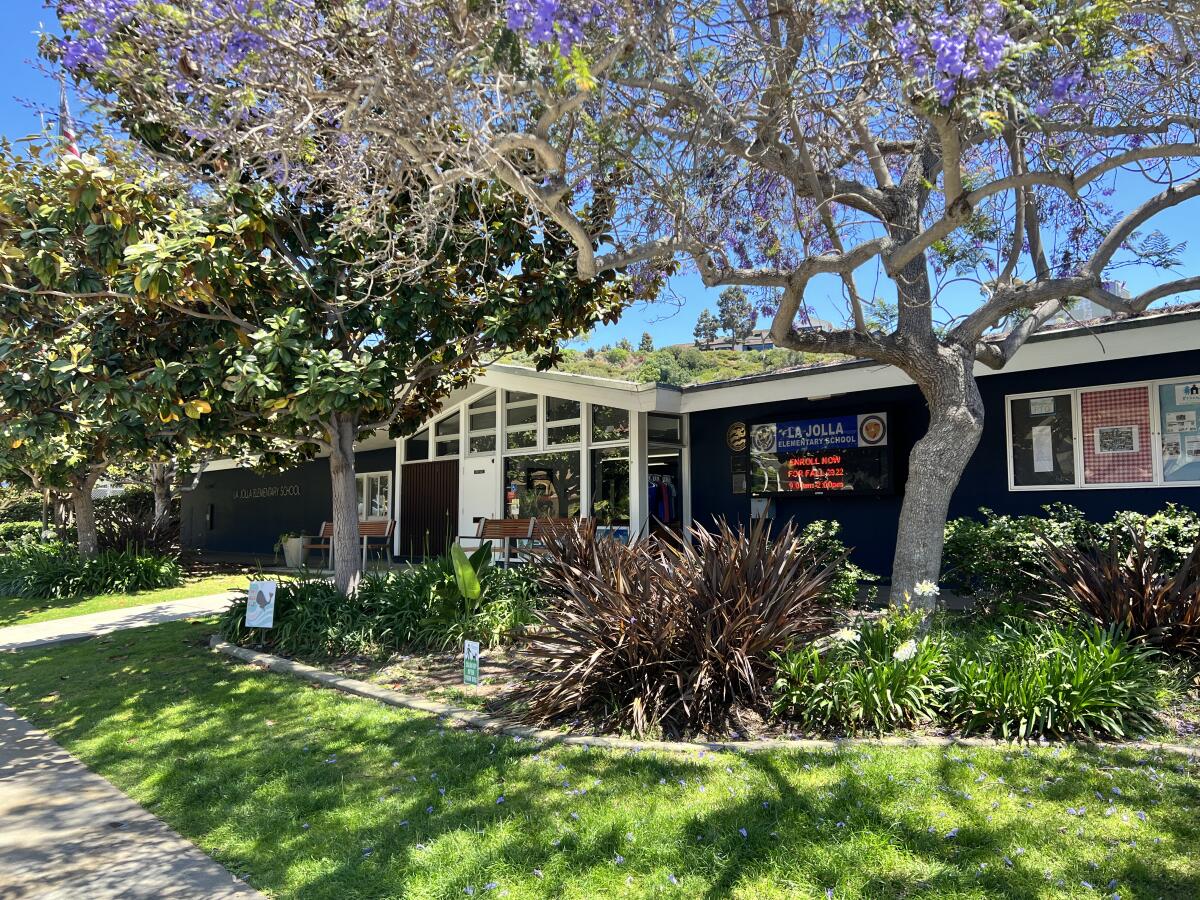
x,y
471,662
260,604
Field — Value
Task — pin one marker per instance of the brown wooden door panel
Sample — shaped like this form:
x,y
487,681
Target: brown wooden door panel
x,y
428,508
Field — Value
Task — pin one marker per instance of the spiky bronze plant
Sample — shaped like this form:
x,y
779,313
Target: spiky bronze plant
x,y
666,634
1124,583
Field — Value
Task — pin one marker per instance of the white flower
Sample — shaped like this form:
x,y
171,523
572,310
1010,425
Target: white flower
x,y
846,635
926,589
905,651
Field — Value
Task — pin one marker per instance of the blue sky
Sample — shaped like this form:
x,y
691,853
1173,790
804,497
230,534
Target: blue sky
x,y
669,320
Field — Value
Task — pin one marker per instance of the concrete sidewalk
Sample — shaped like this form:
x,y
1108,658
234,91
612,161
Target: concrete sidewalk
x,y
57,631
67,834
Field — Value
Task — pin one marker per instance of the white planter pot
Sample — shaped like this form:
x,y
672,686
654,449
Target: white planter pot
x,y
293,552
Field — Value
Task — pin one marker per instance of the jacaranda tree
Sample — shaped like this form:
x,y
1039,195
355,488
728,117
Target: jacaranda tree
x,y
788,148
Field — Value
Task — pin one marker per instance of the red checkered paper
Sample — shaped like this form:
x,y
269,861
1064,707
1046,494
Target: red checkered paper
x,y
1118,408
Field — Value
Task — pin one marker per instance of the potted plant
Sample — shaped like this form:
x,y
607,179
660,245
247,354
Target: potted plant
x,y
291,545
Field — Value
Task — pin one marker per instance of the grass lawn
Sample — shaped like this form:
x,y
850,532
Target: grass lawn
x,y
22,611
313,794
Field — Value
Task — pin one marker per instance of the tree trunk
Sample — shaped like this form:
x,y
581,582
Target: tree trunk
x,y
160,481
85,516
347,563
935,466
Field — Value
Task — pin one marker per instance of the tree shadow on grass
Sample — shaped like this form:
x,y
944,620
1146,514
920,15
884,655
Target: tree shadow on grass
x,y
313,794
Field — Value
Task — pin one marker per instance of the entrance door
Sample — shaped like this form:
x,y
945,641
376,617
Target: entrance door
x,y
428,508
479,493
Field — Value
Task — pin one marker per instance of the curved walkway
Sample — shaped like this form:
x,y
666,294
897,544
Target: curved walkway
x,y
78,628
65,832
475,719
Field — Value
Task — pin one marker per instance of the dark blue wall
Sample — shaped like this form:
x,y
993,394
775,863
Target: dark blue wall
x,y
296,500
869,523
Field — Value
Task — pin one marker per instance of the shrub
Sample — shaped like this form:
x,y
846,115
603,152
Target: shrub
x,y
15,531
1125,583
413,608
996,557
666,634
999,557
125,521
54,571
877,678
821,539
1173,531
20,505
1034,679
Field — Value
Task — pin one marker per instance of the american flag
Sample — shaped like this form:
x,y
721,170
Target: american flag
x,y
66,127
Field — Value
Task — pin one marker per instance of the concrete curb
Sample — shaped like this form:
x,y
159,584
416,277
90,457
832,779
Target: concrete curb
x,y
483,722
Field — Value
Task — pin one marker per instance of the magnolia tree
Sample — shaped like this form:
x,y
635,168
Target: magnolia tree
x,y
796,150
141,317
93,377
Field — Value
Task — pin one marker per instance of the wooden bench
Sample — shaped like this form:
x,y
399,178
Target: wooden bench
x,y
520,537
551,528
323,542
380,530
504,531
375,530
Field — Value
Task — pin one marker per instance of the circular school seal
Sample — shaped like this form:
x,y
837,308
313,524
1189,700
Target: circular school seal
x,y
872,430
763,438
735,437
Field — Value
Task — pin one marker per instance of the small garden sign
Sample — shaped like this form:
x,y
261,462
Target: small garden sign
x,y
471,662
260,604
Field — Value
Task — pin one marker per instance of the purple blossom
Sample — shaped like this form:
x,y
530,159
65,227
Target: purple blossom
x,y
991,46
1064,86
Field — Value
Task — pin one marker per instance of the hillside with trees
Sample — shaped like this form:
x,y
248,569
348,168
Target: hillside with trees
x,y
676,365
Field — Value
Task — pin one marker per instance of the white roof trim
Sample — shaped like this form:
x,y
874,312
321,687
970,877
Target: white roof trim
x,y
587,388
1104,342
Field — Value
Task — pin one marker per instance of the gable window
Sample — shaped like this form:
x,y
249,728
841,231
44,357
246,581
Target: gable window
x,y
481,425
609,424
520,420
416,448
374,495
446,436
563,420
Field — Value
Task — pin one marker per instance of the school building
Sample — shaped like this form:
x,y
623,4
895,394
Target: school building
x,y
1102,415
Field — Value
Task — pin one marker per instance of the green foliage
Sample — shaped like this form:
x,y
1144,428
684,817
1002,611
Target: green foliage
x,y
125,521
54,571
1124,583
227,753
736,313
661,634
13,531
18,505
416,608
877,678
821,537
995,557
676,365
1028,680
1000,559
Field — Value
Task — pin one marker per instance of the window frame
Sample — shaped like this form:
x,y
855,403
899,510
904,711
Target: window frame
x,y
609,442
492,432
536,401
1077,436
546,423
365,477
437,440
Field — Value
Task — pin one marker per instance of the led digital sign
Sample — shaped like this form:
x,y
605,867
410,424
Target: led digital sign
x,y
839,454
